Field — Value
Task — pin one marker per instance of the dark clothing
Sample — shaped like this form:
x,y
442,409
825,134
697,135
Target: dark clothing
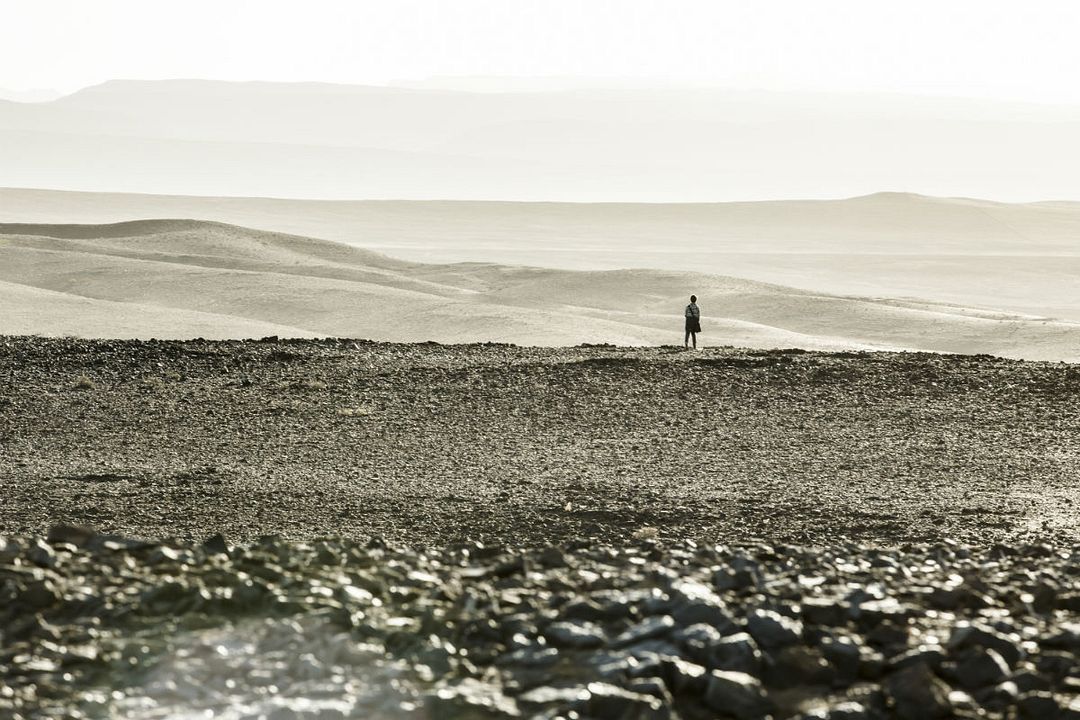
x,y
693,318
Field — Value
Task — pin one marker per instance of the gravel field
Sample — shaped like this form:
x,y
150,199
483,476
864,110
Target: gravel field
x,y
432,444
578,533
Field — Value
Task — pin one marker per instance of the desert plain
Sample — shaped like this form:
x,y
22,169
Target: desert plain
x,y
334,528
265,459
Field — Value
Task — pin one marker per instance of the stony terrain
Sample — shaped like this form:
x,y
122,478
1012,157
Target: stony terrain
x,y
94,626
588,532
433,444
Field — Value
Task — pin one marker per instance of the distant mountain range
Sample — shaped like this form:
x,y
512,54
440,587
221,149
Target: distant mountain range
x,y
34,95
313,140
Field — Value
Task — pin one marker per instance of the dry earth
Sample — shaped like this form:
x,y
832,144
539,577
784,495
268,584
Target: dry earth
x,y
431,444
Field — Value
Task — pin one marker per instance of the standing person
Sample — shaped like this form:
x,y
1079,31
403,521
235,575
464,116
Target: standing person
x,y
693,322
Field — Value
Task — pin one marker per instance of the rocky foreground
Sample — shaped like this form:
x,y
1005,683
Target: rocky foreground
x,y
95,626
589,532
439,444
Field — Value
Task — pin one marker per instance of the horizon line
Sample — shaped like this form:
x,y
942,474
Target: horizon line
x,y
864,196
589,83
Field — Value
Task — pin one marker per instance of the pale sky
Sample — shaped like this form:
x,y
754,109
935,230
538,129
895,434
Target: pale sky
x,y
1019,50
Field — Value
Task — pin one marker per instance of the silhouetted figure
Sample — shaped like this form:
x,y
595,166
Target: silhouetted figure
x,y
693,322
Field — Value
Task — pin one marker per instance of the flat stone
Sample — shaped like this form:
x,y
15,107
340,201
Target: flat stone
x,y
870,613
772,630
917,694
998,698
930,655
1055,664
698,612
829,611
797,665
966,635
539,697
575,634
1070,711
552,557
981,668
651,685
736,694
648,629
71,534
41,554
9,549
847,710
1066,638
611,701
591,611
37,595
699,635
845,657
1028,681
470,698
736,652
535,656
682,676
726,579
216,545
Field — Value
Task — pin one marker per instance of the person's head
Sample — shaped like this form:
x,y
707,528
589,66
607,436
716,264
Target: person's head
x,y
693,298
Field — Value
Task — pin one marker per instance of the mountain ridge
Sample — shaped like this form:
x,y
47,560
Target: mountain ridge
x,y
618,144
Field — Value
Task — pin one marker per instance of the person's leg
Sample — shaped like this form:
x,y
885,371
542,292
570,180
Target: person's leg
x,y
686,340
694,335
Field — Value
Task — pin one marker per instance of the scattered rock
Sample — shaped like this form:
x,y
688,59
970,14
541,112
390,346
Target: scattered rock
x,y
71,535
575,634
916,694
651,628
736,652
736,694
596,635
469,699
771,630
966,635
980,669
611,701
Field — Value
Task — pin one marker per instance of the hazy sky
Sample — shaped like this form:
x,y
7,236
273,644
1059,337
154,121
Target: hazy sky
x,y
1024,49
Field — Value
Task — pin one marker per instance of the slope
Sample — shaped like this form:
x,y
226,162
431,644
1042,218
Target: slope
x,y
181,278
1022,258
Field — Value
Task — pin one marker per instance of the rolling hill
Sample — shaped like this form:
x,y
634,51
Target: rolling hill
x,y
188,278
1018,258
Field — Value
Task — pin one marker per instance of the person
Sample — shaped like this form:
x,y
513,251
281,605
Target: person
x,y
693,322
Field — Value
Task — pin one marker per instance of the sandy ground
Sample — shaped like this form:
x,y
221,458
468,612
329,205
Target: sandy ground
x,y
430,443
1017,257
184,279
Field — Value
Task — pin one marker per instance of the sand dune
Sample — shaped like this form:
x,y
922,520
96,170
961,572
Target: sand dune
x,y
1018,258
29,310
187,278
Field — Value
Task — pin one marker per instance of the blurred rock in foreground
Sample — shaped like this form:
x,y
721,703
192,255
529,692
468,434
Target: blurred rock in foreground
x,y
95,626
